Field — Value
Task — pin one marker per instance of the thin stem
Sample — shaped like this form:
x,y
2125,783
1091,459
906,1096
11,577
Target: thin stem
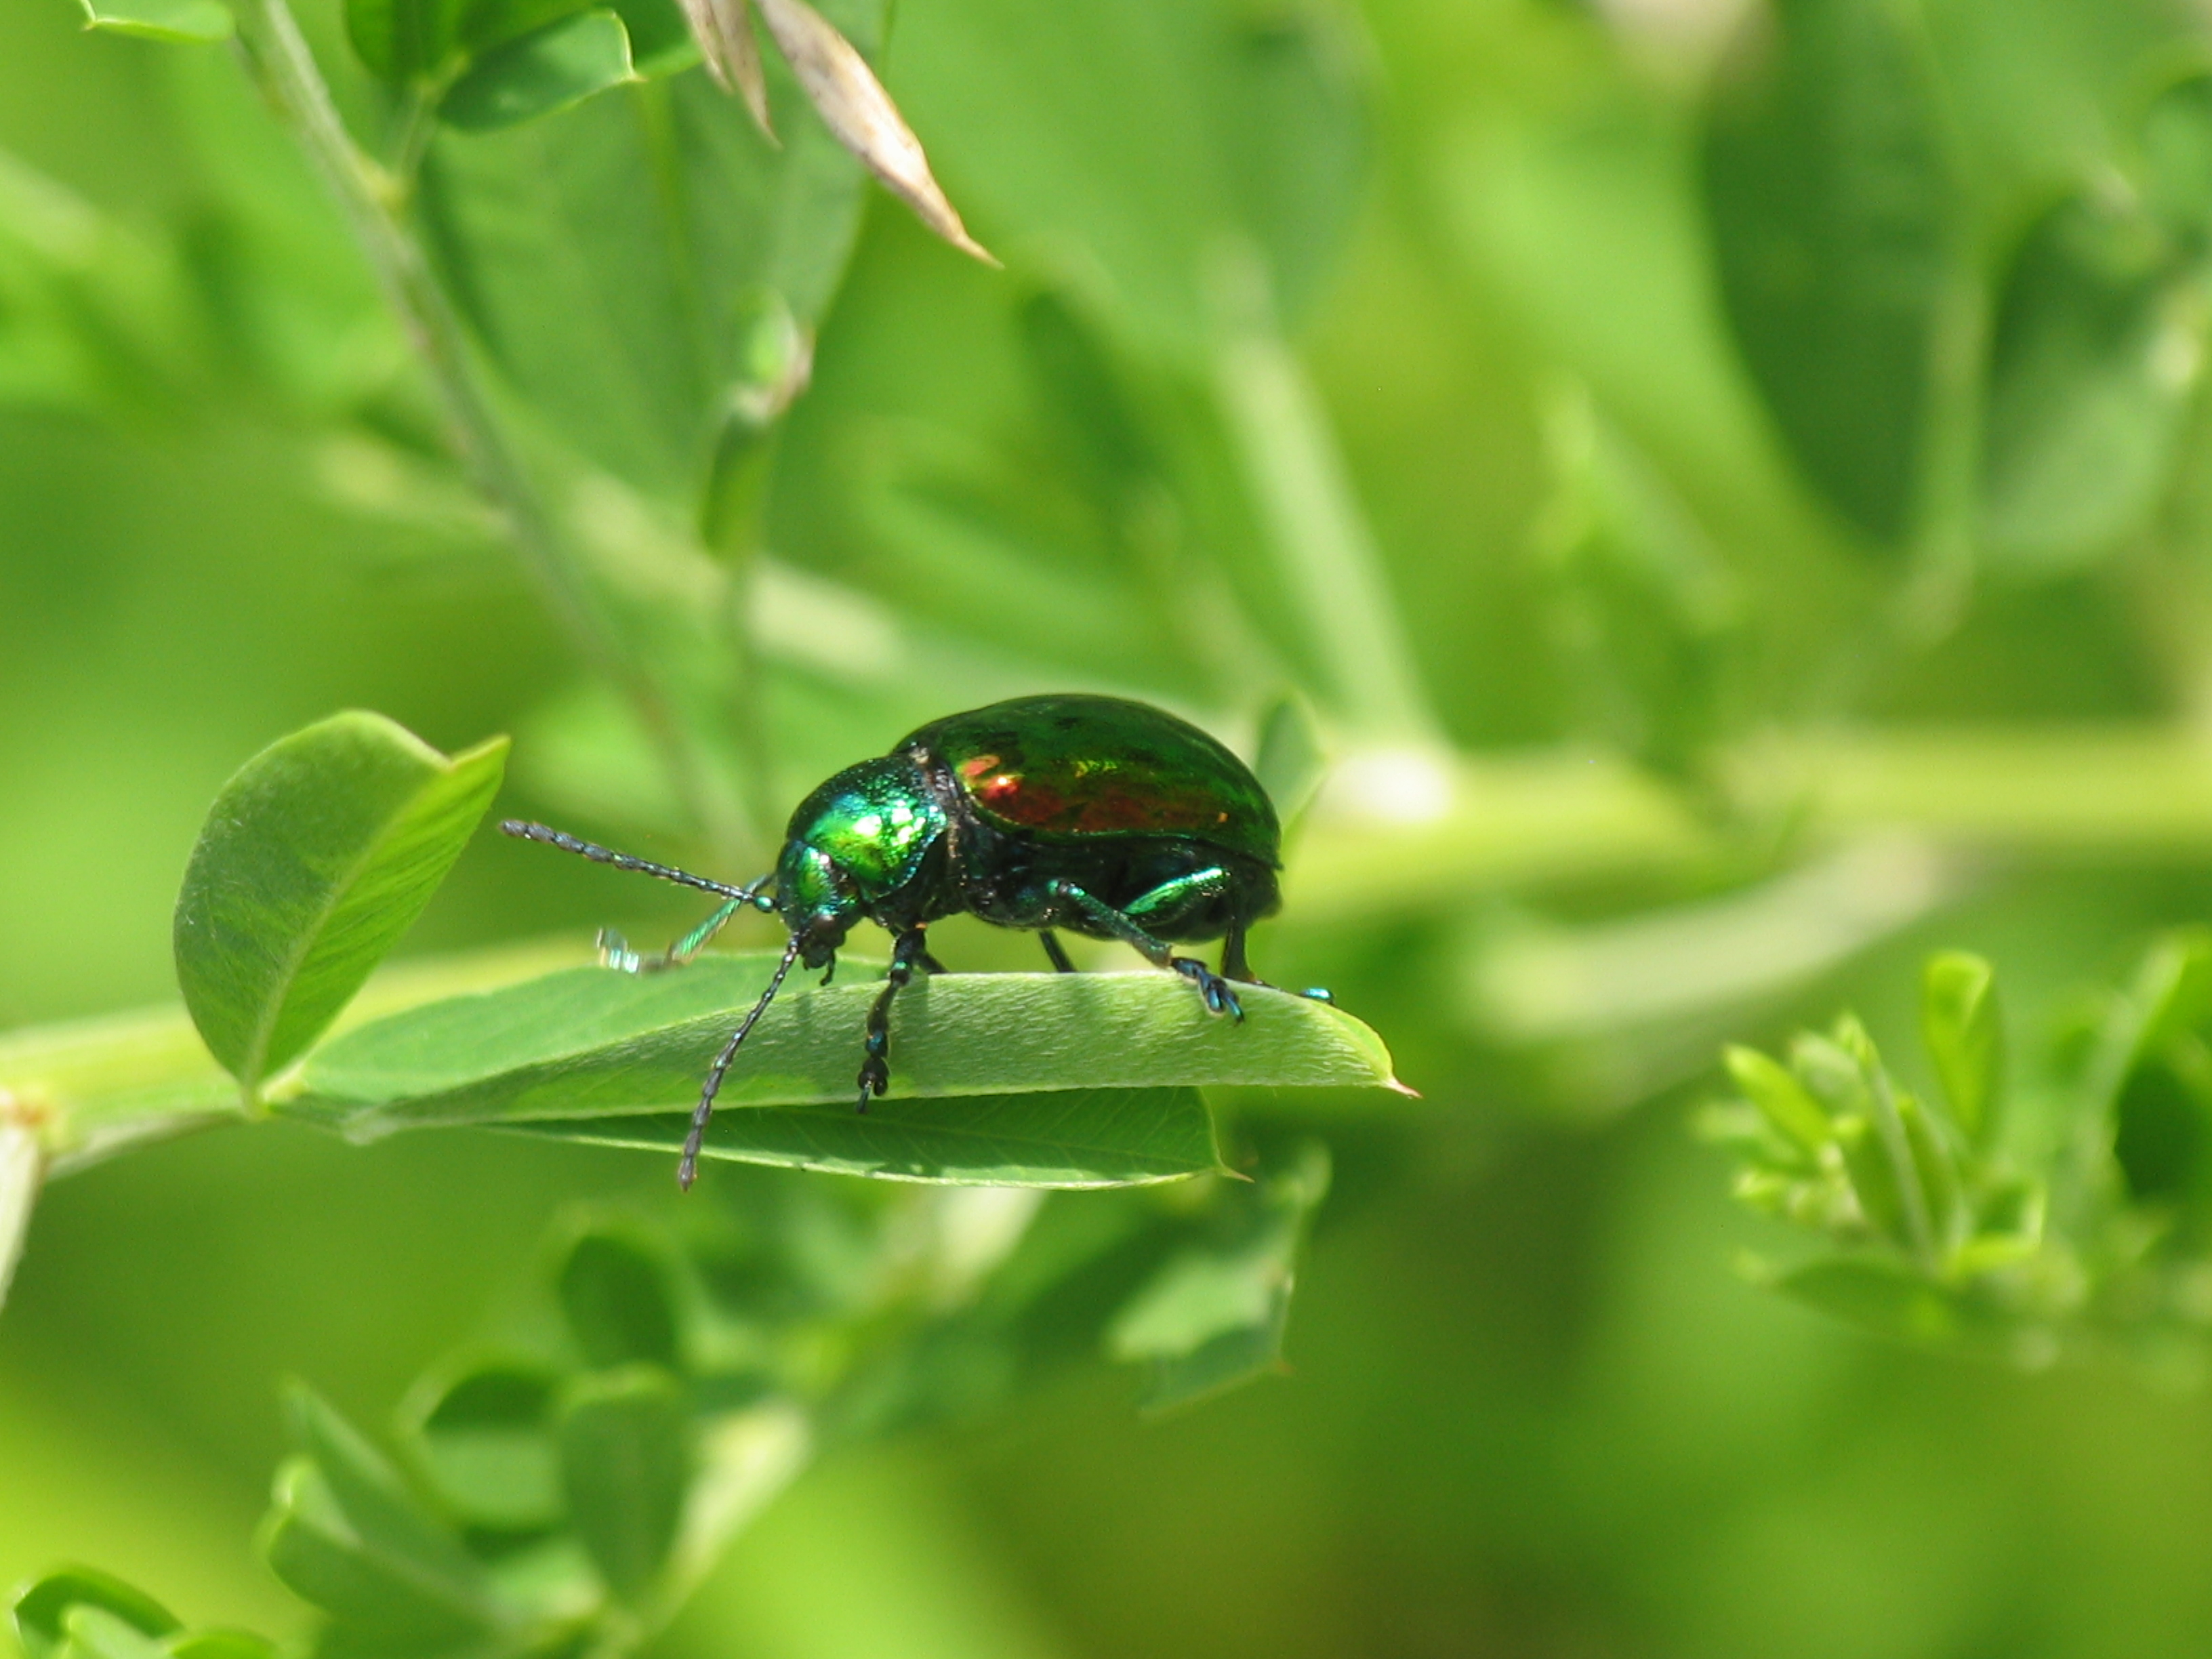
x,y
371,198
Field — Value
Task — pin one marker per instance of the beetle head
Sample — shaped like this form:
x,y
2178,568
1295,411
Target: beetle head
x,y
853,843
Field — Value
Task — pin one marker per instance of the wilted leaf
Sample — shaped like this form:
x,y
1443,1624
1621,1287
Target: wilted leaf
x,y
315,857
625,1464
854,106
1833,212
724,30
548,70
190,22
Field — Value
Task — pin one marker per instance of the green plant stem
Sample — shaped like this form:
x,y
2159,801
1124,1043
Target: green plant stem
x,y
22,1167
371,199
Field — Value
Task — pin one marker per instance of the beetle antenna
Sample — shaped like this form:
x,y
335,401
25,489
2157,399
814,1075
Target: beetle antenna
x,y
523,830
687,1171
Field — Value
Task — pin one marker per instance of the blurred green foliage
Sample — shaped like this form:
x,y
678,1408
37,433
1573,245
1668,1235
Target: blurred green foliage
x,y
1727,483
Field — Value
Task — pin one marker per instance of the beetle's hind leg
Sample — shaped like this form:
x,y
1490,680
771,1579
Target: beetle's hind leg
x,y
1235,966
907,952
1055,951
1213,988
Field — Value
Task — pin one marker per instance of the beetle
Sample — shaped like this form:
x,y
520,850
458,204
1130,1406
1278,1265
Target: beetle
x,y
1098,815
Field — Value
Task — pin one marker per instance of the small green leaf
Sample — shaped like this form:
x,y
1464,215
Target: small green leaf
x,y
197,22
616,1288
314,1545
41,1608
1959,1023
1835,222
403,40
346,1534
1215,1314
557,66
483,1436
93,1632
625,1464
1779,1097
1072,1138
314,860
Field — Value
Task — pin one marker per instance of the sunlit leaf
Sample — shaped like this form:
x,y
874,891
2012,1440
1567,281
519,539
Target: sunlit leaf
x,y
22,1166
625,1463
315,857
548,70
590,1043
96,1633
1833,211
190,22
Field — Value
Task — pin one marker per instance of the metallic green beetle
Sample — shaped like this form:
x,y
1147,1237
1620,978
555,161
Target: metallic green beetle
x,y
1095,814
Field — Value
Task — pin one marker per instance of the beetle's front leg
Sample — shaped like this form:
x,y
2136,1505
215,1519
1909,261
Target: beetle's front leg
x,y
615,951
908,951
1215,991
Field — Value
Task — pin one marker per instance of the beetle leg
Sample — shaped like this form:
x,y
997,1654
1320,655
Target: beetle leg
x,y
1219,997
1055,951
615,951
908,951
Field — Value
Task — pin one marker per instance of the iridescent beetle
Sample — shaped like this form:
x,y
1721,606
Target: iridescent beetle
x,y
1095,814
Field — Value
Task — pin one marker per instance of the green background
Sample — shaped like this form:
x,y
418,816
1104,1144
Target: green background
x,y
1533,1409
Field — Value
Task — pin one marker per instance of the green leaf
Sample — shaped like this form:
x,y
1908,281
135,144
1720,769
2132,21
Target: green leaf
x,y
198,22
1779,1097
616,1288
589,1041
483,1438
559,66
316,857
1214,1315
1073,1138
1835,219
1959,1023
403,40
2177,153
346,1534
1289,760
2093,370
41,1608
93,1632
607,256
1880,1296
625,1464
